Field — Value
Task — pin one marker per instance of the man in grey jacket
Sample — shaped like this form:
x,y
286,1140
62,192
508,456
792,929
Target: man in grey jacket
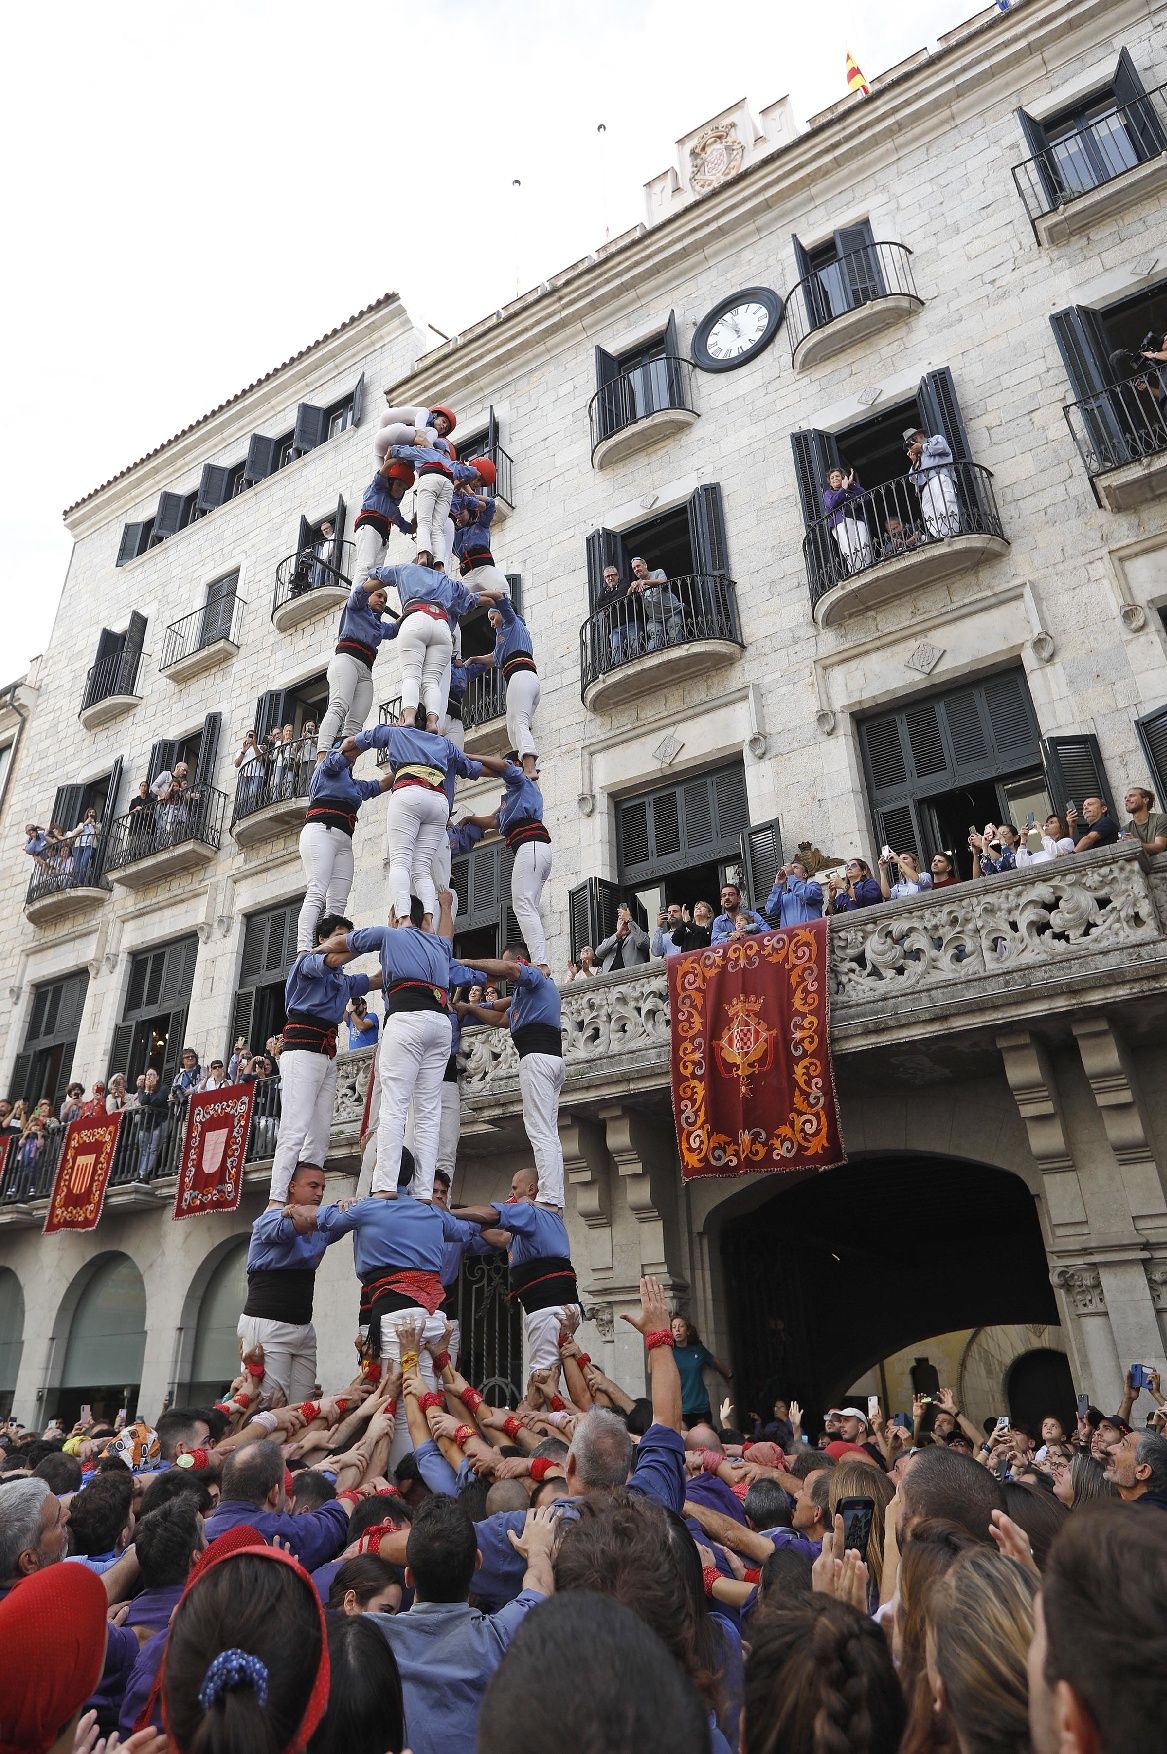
x,y
626,946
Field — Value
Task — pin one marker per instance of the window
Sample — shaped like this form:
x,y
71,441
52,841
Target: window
x,y
114,670
687,540
1092,141
840,274
175,512
5,764
485,923
153,1020
45,1061
269,949
219,609
1120,409
644,380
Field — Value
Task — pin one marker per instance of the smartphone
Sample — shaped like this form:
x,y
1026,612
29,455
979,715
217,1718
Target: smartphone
x,y
86,1413
887,852
925,1400
1083,1406
1138,1376
1031,822
872,1406
901,1419
857,1514
1002,1424
1071,807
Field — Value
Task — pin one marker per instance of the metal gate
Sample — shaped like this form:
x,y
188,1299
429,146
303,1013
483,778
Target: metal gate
x,y
491,1345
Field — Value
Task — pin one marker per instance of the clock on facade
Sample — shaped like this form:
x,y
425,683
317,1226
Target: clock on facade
x,y
738,329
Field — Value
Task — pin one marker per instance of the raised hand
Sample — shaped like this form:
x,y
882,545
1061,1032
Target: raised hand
x,y
653,1316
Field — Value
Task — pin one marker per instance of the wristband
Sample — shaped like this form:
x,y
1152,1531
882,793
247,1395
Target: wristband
x,y
711,1461
709,1576
390,1407
222,1407
371,1539
472,1398
342,1406
558,1404
441,1362
408,1362
583,1360
512,1427
255,1370
269,1421
352,1496
541,1466
462,1435
430,1399
753,1574
659,1337
243,1401
371,1370
310,1410
559,1420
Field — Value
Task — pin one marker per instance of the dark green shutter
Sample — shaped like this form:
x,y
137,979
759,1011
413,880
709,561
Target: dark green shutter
x,y
1138,112
20,1081
609,404
940,411
815,455
163,756
208,749
311,428
693,821
707,530
817,310
509,928
338,518
134,540
592,912
270,711
119,1055
359,401
214,486
68,805
1038,145
515,586
131,654
761,857
674,376
168,519
859,268
262,458
1152,730
605,548
241,1015
1074,770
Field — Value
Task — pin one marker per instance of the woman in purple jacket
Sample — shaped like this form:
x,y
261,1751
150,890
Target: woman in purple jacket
x,y
858,888
846,521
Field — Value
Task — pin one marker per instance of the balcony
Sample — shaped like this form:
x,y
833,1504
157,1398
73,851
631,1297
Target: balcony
x,y
271,796
1121,435
110,690
639,406
893,540
66,886
203,639
654,638
307,586
866,291
503,492
1100,168
164,839
483,716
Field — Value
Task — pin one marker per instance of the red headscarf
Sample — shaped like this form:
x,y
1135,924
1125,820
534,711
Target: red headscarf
x,y
52,1650
220,1552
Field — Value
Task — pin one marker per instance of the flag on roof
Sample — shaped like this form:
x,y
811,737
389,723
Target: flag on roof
x,y
855,79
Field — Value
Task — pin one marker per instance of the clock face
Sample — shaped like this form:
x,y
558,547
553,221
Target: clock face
x,y
737,329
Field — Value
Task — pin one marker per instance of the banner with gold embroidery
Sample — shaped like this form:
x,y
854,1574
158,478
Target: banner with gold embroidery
x,y
83,1173
214,1150
753,1083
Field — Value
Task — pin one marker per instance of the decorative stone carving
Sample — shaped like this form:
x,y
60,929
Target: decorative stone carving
x,y
869,395
1042,647
353,1072
925,658
603,1318
585,803
1133,617
1082,1287
668,749
715,156
825,721
756,745
1030,1077
1157,1285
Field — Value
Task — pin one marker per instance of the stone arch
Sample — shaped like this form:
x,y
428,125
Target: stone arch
x,y
216,1262
101,1329
11,1335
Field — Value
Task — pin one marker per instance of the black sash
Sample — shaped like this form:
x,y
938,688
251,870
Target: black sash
x,y
538,1038
544,1284
281,1294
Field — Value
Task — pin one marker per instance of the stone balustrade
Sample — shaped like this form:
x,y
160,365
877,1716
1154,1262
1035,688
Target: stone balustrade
x,y
988,954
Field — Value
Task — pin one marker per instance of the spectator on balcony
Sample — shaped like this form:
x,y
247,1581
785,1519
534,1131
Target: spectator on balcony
x,y
94,1104
744,924
627,946
854,889
944,872
215,1077
84,839
12,1123
586,968
898,538
70,1108
240,1051
731,906
187,1078
27,1157
364,1026
1101,828
1145,823
994,849
43,1112
154,1105
36,845
1040,846
249,750
322,573
795,897
664,620
845,519
911,880
115,1095
617,622
697,933
663,943
934,478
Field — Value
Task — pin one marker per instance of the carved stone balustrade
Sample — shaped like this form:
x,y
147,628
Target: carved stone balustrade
x,y
1081,932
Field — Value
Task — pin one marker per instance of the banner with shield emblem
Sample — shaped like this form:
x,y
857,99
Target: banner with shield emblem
x,y
210,1169
83,1173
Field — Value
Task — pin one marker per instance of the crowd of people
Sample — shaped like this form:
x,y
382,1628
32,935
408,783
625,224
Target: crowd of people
x,y
410,1563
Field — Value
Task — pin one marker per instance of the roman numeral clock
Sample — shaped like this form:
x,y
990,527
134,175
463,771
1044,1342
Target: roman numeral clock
x,y
739,328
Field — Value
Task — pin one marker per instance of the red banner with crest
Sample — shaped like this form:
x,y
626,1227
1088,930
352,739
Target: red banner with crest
x,y
83,1173
753,1084
210,1170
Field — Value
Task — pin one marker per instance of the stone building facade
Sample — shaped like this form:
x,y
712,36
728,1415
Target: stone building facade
x,y
972,244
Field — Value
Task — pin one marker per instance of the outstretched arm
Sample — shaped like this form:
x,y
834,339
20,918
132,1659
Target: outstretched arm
x,y
486,1216
664,1379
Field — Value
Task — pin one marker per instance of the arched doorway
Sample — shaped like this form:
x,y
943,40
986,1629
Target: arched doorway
x,y
1041,1382
837,1271
11,1336
106,1344
215,1360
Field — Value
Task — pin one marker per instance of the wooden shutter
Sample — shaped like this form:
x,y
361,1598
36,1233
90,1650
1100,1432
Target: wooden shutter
x,y
605,548
135,639
815,455
1015,732
241,1014
1085,349
1152,730
817,310
483,883
175,1042
940,411
693,822
515,586
761,857
134,539
168,519
214,487
509,928
860,271
358,401
68,805
20,1080
1073,769
109,646
609,398
898,826
592,912
163,756
304,539
262,458
270,711
491,432
113,787
311,428
208,749
1142,124
707,530
674,376
1037,144
119,1055
338,518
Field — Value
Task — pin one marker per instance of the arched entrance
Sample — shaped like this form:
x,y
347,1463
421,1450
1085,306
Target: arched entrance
x,y
106,1344
11,1336
837,1271
215,1360
1041,1382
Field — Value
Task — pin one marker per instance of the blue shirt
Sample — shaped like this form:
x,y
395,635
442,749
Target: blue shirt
x,y
867,893
420,584
536,1232
535,1000
360,623
794,902
323,991
364,1038
467,1240
409,954
462,838
151,1609
723,925
521,802
315,1536
512,639
378,499
410,748
447,1653
474,536
332,783
428,457
390,1235
276,1244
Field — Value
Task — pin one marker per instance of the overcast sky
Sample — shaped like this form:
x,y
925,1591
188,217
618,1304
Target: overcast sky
x,y
195,192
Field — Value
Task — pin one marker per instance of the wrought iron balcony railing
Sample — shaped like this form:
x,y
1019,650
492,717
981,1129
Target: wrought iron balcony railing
x,y
113,676
643,390
1093,154
309,570
873,271
486,699
195,816
81,867
893,520
1123,424
204,627
504,470
697,606
277,780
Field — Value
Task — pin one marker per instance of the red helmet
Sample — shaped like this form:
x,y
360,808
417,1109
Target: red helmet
x,y
484,469
449,414
400,472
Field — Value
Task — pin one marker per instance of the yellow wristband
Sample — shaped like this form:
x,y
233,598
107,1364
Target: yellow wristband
x,y
408,1362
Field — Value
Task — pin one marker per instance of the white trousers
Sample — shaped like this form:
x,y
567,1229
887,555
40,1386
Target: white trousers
x,y
391,1356
541,1081
940,505
529,873
425,650
449,1127
415,1047
541,1336
350,699
327,857
417,827
369,549
307,1096
453,729
431,508
399,426
522,705
289,1356
854,542
487,578
440,867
